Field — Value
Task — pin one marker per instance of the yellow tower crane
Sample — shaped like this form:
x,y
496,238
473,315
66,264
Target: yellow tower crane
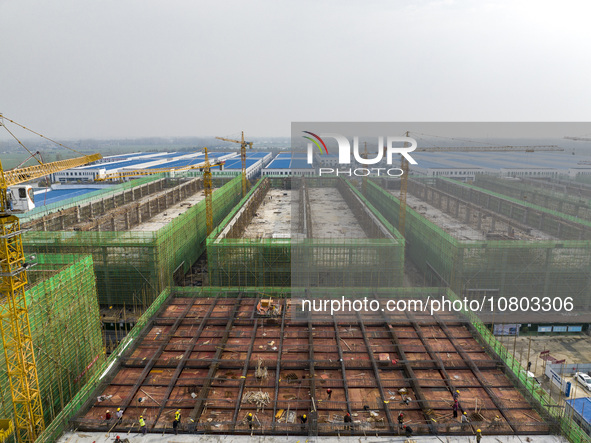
x,y
243,146
14,314
404,165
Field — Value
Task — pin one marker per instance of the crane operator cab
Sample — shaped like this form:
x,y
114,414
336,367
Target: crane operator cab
x,y
21,198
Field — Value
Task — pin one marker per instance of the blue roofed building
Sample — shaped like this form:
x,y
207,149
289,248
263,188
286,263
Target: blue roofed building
x,y
580,410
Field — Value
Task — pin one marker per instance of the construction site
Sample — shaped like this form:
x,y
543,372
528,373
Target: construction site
x,y
482,243
142,234
316,231
208,353
235,352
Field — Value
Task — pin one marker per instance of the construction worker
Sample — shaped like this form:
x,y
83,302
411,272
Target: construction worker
x,y
348,420
455,408
405,399
304,419
143,427
108,416
478,435
400,421
456,395
176,422
329,393
408,431
119,415
249,420
464,418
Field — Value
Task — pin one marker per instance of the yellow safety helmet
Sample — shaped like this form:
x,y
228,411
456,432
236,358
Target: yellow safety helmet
x,y
141,416
304,415
250,414
464,413
478,430
118,409
457,391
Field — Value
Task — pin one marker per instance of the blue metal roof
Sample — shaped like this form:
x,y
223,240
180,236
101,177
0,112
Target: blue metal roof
x,y
299,163
498,160
582,406
180,163
257,154
134,154
279,163
49,196
117,165
237,164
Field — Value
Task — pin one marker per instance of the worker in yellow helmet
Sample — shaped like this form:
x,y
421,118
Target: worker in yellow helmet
x,y
176,422
478,435
143,427
249,420
119,415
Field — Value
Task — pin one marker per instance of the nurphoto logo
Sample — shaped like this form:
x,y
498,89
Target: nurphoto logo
x,y
395,145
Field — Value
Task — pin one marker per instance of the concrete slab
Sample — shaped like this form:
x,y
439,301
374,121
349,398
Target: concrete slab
x,y
163,218
273,216
331,216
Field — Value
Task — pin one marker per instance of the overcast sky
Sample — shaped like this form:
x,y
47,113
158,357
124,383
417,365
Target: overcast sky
x,y
139,68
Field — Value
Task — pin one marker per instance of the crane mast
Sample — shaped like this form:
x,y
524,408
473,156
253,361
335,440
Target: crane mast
x,y
243,145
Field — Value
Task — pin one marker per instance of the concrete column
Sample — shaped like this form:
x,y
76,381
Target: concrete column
x,y
77,214
113,224
114,202
468,214
559,230
158,205
492,224
62,224
126,221
91,210
479,225
139,214
457,208
103,205
44,225
149,209
447,205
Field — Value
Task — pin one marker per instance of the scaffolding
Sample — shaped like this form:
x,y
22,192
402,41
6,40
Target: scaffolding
x,y
573,203
507,268
133,267
66,330
375,258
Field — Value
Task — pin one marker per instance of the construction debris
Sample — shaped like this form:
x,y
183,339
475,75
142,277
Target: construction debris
x,y
261,372
260,398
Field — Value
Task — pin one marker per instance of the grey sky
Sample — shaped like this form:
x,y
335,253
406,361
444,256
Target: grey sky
x,y
138,68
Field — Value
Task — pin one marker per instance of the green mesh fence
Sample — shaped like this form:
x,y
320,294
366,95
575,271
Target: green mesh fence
x,y
133,267
342,262
508,268
66,331
577,206
60,423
